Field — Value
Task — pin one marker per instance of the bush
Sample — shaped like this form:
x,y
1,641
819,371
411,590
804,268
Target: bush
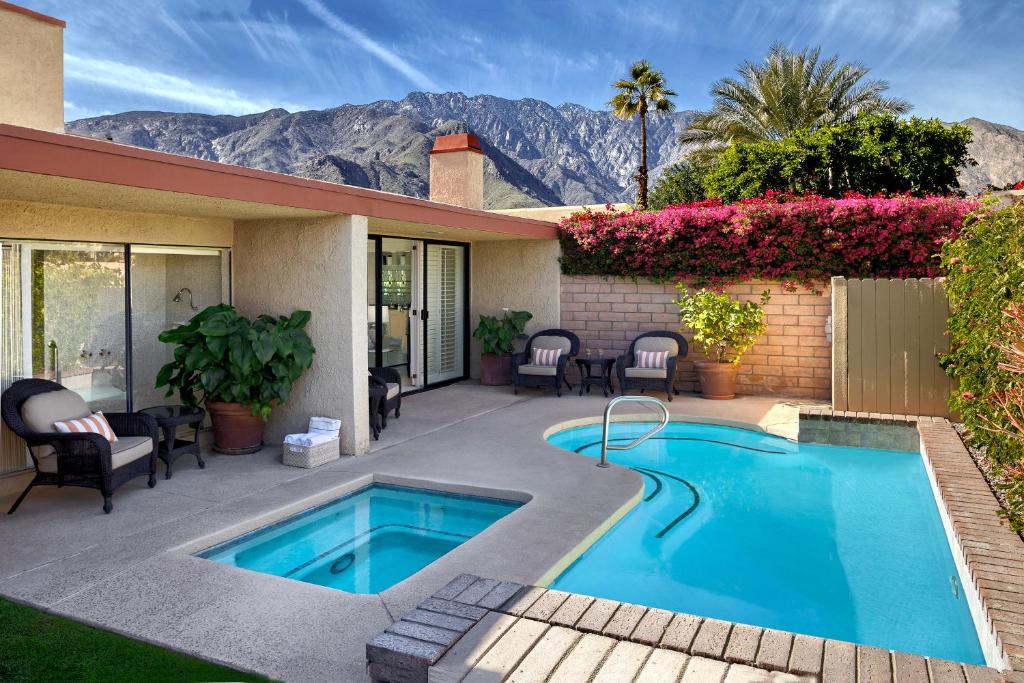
x,y
807,239
872,154
985,278
681,183
721,323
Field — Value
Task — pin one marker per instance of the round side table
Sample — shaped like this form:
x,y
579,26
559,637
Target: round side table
x,y
169,418
603,378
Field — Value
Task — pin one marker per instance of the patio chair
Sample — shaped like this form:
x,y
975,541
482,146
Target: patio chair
x,y
392,382
526,373
633,377
31,406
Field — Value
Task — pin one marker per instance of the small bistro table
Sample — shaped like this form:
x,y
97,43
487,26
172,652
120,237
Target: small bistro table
x,y
169,418
603,378
378,394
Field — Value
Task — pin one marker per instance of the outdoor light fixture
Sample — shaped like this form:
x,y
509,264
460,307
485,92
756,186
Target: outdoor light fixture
x,y
177,298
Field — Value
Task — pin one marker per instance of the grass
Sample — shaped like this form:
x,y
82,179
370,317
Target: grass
x,y
36,646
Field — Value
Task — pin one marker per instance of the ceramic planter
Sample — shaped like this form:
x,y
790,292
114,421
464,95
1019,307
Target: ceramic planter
x,y
236,431
495,369
717,380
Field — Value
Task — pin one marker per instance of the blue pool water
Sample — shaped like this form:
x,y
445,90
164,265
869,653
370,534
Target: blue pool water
x,y
844,543
365,542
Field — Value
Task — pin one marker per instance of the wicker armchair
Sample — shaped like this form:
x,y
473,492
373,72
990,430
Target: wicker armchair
x,y
525,373
392,383
86,460
632,377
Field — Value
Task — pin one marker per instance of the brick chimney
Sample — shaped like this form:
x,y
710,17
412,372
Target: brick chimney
x,y
31,69
457,171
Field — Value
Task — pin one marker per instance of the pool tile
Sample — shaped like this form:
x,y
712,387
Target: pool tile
x,y
701,670
874,665
805,659
469,649
597,615
774,650
507,651
456,586
498,595
424,632
661,666
571,610
545,655
476,591
840,662
908,667
624,621
943,671
680,632
583,659
652,626
522,600
623,663
743,642
711,639
546,605
441,620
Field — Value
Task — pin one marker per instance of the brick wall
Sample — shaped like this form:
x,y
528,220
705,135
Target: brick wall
x,y
793,358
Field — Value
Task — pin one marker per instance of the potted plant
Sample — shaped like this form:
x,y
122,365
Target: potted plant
x,y
724,328
498,336
239,368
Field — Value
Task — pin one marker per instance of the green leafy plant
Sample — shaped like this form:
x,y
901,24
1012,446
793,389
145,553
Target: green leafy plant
x,y
220,355
498,335
721,323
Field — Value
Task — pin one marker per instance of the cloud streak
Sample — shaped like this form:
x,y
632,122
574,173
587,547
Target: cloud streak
x,y
365,42
112,74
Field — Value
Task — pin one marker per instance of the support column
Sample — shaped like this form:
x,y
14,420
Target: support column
x,y
317,264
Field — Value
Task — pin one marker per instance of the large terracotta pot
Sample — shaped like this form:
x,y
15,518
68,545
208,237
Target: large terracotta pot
x,y
495,369
717,380
236,430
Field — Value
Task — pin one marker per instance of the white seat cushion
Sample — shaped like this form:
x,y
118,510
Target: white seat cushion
x,y
646,373
551,342
657,344
125,450
393,390
542,370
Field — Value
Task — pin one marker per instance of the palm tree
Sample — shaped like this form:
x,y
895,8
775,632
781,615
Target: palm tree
x,y
644,89
787,92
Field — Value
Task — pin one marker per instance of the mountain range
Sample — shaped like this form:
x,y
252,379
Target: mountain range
x,y
537,154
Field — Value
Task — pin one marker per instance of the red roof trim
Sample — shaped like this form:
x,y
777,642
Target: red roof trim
x,y
33,14
35,151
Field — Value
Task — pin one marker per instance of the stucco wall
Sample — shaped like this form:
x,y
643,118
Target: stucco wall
x,y
792,359
31,72
318,264
516,274
32,220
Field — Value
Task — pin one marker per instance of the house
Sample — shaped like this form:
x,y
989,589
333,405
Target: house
x,y
104,245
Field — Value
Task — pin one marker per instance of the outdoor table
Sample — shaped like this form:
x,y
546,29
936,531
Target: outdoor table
x,y
603,378
169,418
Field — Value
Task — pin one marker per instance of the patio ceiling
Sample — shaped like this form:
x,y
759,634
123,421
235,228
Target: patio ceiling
x,y
38,166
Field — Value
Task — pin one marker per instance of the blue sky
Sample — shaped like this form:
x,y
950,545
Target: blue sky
x,y
951,59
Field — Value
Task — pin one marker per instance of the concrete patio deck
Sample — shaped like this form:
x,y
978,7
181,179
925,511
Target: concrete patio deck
x,y
132,571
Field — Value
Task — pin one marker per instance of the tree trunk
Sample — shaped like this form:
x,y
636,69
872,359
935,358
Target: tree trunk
x,y
641,176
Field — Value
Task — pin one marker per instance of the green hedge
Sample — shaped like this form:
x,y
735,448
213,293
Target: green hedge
x,y
985,275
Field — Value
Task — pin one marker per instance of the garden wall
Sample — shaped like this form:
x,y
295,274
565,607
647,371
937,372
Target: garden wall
x,y
792,359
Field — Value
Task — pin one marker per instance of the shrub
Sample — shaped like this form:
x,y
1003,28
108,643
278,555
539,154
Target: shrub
x,y
721,323
498,335
985,279
871,154
806,239
681,183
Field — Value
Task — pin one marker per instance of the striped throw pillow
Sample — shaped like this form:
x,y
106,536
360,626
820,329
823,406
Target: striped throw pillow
x,y
652,359
546,356
94,424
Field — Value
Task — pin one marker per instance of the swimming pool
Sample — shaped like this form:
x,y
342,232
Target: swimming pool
x,y
365,542
838,542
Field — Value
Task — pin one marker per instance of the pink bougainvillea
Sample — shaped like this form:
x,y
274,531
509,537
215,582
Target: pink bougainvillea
x,y
776,237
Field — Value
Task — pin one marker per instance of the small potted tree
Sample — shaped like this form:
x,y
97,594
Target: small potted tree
x,y
239,368
498,337
724,328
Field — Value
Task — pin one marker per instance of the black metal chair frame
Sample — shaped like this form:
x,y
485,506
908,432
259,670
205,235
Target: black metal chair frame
x,y
82,459
524,357
628,360
382,376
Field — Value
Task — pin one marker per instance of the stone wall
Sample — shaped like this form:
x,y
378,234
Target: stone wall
x,y
792,359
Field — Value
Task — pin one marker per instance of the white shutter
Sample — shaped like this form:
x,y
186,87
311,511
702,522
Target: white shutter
x,y
446,306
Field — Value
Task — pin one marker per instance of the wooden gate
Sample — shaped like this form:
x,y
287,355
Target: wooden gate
x,y
887,336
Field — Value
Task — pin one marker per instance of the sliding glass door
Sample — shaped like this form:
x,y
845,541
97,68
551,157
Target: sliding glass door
x,y
417,303
445,316
67,310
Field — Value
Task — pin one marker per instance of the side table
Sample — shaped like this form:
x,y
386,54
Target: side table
x,y
169,418
603,378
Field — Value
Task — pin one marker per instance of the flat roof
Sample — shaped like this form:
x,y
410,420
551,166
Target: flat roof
x,y
26,150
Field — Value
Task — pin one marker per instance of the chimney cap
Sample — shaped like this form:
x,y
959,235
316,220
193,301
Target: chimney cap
x,y
459,142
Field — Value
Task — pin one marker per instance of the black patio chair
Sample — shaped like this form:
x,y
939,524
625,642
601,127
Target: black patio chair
x,y
632,377
30,407
392,383
525,373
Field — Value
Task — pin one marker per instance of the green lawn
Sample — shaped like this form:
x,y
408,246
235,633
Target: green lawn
x,y
36,646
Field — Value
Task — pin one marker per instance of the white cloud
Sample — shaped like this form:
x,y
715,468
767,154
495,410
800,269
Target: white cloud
x,y
112,74
360,39
901,21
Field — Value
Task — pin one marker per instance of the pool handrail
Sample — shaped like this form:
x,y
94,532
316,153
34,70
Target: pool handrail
x,y
605,446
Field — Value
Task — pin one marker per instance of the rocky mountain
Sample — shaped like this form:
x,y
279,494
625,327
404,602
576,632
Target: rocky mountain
x,y
537,154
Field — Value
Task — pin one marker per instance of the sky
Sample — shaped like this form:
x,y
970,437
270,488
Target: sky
x,y
950,59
